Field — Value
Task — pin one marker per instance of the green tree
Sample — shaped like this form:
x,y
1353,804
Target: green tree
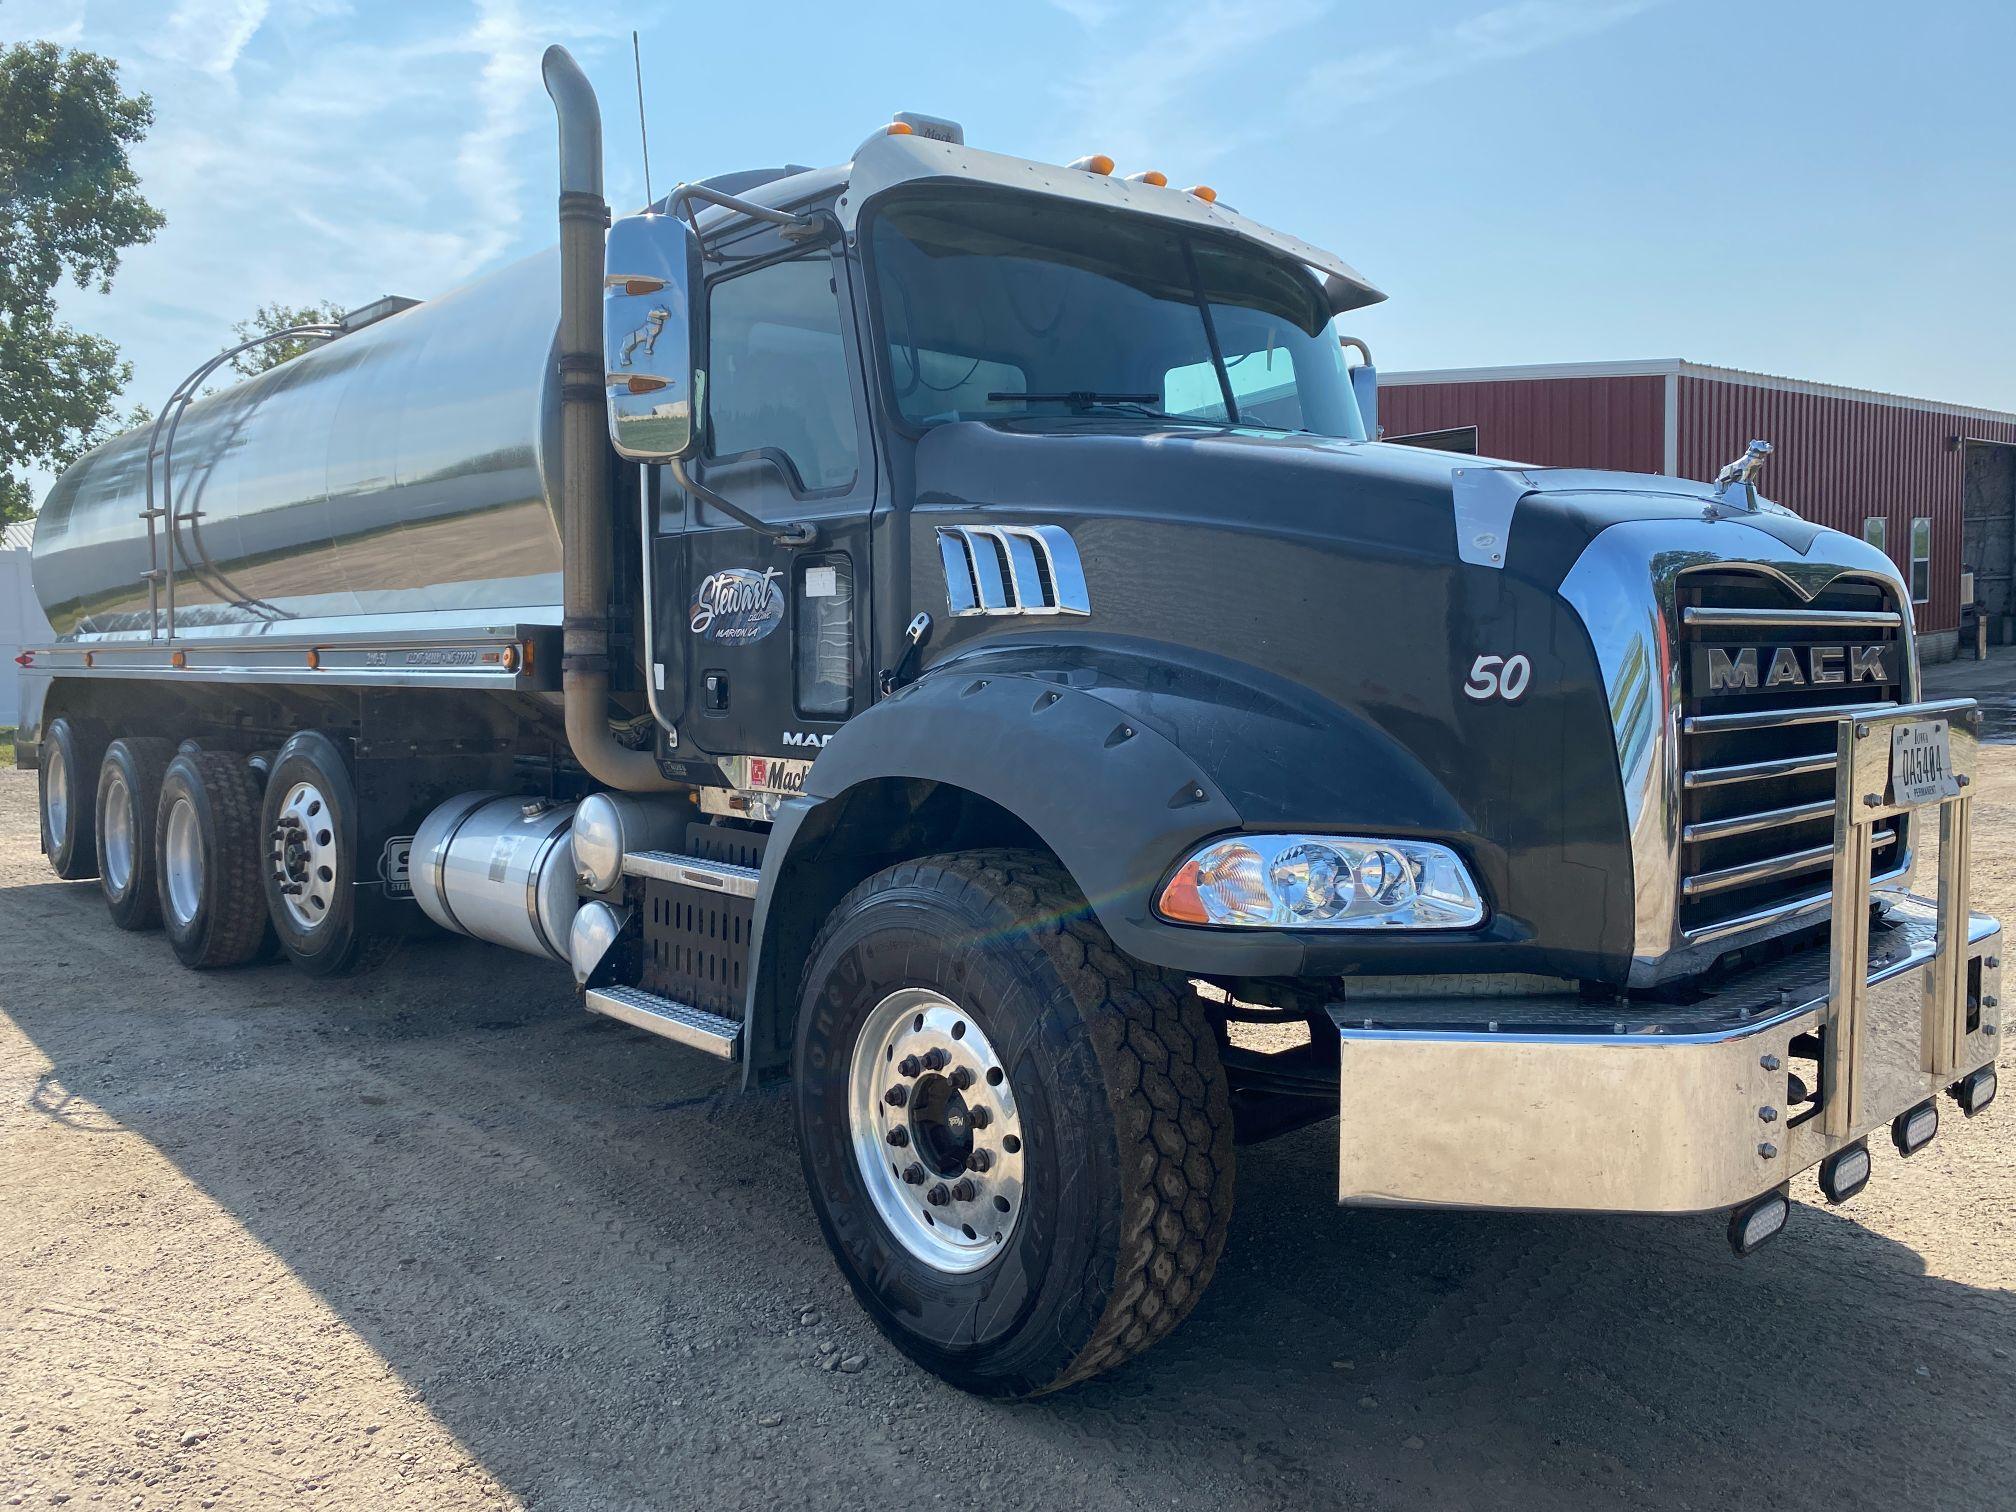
x,y
70,203
278,317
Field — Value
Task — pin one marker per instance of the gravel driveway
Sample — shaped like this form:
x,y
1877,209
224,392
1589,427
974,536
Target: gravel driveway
x,y
437,1239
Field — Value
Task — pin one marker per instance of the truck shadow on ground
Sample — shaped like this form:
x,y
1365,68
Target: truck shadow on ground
x,y
591,1257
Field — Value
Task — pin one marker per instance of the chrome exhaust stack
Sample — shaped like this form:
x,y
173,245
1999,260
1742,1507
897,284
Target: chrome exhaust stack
x,y
586,537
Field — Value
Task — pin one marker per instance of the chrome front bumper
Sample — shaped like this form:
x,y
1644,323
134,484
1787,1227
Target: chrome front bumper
x,y
1548,1103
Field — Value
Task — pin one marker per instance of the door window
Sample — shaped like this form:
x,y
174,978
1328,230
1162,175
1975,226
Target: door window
x,y
777,373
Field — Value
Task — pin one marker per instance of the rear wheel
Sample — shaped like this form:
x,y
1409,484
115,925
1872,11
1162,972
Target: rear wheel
x,y
206,857
311,824
129,797
66,787
1018,1142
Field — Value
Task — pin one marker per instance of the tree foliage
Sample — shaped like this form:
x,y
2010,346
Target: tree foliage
x,y
270,318
70,204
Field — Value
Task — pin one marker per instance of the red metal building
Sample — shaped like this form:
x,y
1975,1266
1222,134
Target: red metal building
x,y
1934,484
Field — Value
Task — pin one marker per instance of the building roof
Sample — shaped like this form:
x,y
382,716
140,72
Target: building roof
x,y
1679,367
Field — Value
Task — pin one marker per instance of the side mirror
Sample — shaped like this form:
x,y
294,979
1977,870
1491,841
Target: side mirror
x,y
650,334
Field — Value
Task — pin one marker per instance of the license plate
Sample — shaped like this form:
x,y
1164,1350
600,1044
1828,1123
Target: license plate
x,y
1921,763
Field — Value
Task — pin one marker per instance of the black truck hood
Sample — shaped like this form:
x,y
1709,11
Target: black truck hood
x,y
1309,484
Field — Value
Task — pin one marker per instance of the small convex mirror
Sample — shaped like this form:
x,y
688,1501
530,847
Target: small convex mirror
x,y
649,337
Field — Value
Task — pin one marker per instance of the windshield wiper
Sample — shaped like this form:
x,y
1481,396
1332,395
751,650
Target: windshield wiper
x,y
1086,399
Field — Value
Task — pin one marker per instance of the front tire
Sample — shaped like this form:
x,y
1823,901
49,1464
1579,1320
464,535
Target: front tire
x,y
66,793
970,1006
129,799
206,858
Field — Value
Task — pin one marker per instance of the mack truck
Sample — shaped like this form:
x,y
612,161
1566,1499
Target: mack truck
x,y
943,631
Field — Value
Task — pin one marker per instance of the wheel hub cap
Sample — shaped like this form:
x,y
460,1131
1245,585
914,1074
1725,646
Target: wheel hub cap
x,y
936,1130
301,853
182,861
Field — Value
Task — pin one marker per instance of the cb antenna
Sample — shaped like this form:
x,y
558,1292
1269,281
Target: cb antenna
x,y
637,56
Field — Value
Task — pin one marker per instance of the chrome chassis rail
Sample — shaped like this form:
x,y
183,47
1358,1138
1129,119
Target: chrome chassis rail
x,y
1549,1103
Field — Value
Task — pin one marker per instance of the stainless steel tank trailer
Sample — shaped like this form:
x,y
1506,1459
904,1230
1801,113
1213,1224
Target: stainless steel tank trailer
x,y
943,630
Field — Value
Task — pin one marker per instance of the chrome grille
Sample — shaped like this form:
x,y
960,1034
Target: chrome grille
x,y
1757,783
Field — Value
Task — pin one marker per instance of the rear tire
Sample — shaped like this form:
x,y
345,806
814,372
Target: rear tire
x,y
129,800
206,850
1083,1091
312,818
66,791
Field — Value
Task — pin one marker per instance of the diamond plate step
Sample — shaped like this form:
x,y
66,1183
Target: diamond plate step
x,y
695,1028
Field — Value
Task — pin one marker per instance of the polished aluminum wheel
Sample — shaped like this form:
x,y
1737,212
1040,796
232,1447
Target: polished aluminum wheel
x,y
182,862
936,1130
56,797
302,854
117,830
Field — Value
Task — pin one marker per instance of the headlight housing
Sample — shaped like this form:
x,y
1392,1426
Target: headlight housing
x,y
1322,882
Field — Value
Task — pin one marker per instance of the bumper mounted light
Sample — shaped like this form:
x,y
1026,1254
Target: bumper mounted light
x,y
1322,882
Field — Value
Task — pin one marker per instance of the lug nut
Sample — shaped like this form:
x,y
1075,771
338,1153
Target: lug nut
x,y
979,1117
963,1190
979,1160
896,1097
909,1065
914,1174
899,1137
962,1077
936,1060
938,1196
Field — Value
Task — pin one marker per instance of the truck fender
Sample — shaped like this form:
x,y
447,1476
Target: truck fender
x,y
1106,787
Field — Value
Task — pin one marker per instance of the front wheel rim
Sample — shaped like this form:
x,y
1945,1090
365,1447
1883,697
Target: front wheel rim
x,y
182,862
936,1130
117,830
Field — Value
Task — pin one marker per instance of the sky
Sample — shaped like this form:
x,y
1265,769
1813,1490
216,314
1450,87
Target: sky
x,y
1824,189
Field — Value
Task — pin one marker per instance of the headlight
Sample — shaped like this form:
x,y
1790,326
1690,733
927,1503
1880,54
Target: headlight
x,y
1323,882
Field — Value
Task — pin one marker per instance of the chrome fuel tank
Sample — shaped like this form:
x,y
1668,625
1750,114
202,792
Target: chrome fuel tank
x,y
404,469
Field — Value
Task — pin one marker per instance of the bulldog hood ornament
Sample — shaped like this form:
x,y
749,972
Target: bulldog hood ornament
x,y
1744,470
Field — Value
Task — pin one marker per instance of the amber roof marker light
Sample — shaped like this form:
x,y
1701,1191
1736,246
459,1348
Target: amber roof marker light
x,y
1204,192
1096,162
1157,179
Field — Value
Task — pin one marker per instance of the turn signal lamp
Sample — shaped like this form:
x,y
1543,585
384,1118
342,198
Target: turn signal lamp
x,y
1098,163
1754,1222
1159,180
1204,192
1914,1128
1844,1173
1322,882
1975,1090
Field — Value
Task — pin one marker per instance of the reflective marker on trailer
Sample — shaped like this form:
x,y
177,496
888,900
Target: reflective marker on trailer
x,y
1844,1173
1975,1090
1757,1220
1913,1129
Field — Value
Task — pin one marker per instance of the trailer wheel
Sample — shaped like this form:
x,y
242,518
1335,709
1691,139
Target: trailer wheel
x,y
309,824
1018,1142
66,786
129,798
206,859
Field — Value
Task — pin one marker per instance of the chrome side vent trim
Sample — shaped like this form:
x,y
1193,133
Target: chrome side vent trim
x,y
1012,569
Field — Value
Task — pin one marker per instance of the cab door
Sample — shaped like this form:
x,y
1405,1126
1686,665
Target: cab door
x,y
763,647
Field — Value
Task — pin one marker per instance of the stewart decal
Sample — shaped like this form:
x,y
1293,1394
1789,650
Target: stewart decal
x,y
738,606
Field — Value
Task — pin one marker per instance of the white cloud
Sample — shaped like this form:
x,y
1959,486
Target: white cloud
x,y
207,35
60,21
1498,35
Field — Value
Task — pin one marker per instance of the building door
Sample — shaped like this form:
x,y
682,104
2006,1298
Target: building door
x,y
1988,533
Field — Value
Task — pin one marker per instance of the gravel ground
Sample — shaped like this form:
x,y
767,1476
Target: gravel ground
x,y
437,1239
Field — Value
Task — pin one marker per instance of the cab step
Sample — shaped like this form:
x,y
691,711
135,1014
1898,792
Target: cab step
x,y
693,871
682,1023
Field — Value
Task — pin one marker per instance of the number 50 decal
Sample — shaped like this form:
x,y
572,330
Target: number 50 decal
x,y
1503,677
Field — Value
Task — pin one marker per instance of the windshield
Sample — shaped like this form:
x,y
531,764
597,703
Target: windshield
x,y
996,306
